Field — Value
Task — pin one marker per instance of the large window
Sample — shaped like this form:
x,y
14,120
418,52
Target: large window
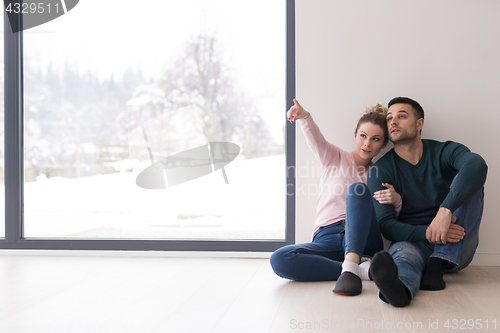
x,y
165,122
2,150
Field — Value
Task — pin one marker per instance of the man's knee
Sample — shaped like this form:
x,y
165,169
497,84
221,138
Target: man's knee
x,y
469,215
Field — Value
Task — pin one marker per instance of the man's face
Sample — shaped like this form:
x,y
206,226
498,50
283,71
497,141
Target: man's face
x,y
402,123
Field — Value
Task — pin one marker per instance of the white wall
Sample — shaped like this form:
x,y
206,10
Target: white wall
x,y
443,53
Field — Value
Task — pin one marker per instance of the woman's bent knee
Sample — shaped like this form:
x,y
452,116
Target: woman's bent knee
x,y
358,189
278,261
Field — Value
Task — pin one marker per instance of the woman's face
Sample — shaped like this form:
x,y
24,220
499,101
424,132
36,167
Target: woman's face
x,y
369,140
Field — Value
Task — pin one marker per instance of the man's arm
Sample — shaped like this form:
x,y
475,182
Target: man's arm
x,y
472,170
391,228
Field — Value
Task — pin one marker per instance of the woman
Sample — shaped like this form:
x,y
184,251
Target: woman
x,y
345,227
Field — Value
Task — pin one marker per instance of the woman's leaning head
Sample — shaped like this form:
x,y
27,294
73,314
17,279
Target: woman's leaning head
x,y
371,135
375,115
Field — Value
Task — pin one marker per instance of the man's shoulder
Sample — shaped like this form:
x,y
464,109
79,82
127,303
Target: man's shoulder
x,y
386,159
435,145
383,166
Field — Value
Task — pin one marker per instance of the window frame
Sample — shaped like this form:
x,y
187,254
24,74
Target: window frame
x,y
14,166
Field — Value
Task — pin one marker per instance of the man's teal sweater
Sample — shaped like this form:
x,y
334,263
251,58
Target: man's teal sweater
x,y
425,187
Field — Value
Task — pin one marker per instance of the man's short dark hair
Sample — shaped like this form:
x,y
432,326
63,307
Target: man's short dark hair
x,y
406,100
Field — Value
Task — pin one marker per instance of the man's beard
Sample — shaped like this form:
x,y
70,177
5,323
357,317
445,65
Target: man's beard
x,y
404,137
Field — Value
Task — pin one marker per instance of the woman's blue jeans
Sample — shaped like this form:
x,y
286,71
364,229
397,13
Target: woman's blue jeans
x,y
321,260
412,258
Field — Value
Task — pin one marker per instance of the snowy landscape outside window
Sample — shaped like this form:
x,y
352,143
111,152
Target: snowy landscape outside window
x,y
113,87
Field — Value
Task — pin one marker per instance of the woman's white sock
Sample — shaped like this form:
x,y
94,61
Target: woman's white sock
x,y
352,267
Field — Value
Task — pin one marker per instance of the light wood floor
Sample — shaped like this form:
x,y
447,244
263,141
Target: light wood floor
x,y
154,294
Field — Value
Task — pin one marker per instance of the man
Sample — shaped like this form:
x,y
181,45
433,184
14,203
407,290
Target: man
x,y
441,184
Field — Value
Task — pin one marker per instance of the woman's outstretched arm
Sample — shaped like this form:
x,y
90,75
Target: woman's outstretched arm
x,y
326,152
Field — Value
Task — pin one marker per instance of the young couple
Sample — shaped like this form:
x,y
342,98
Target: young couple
x,y
427,200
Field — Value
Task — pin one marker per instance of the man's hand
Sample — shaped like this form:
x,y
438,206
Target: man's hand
x,y
443,228
456,233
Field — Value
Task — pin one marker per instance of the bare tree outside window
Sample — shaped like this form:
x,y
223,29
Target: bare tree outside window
x,y
200,78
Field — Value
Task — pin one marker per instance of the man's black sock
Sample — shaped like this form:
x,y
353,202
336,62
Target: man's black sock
x,y
384,272
432,279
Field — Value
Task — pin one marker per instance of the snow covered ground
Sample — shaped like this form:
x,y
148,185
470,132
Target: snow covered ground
x,y
112,206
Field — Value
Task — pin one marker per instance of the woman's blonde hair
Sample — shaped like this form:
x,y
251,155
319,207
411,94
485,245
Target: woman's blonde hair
x,y
375,115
